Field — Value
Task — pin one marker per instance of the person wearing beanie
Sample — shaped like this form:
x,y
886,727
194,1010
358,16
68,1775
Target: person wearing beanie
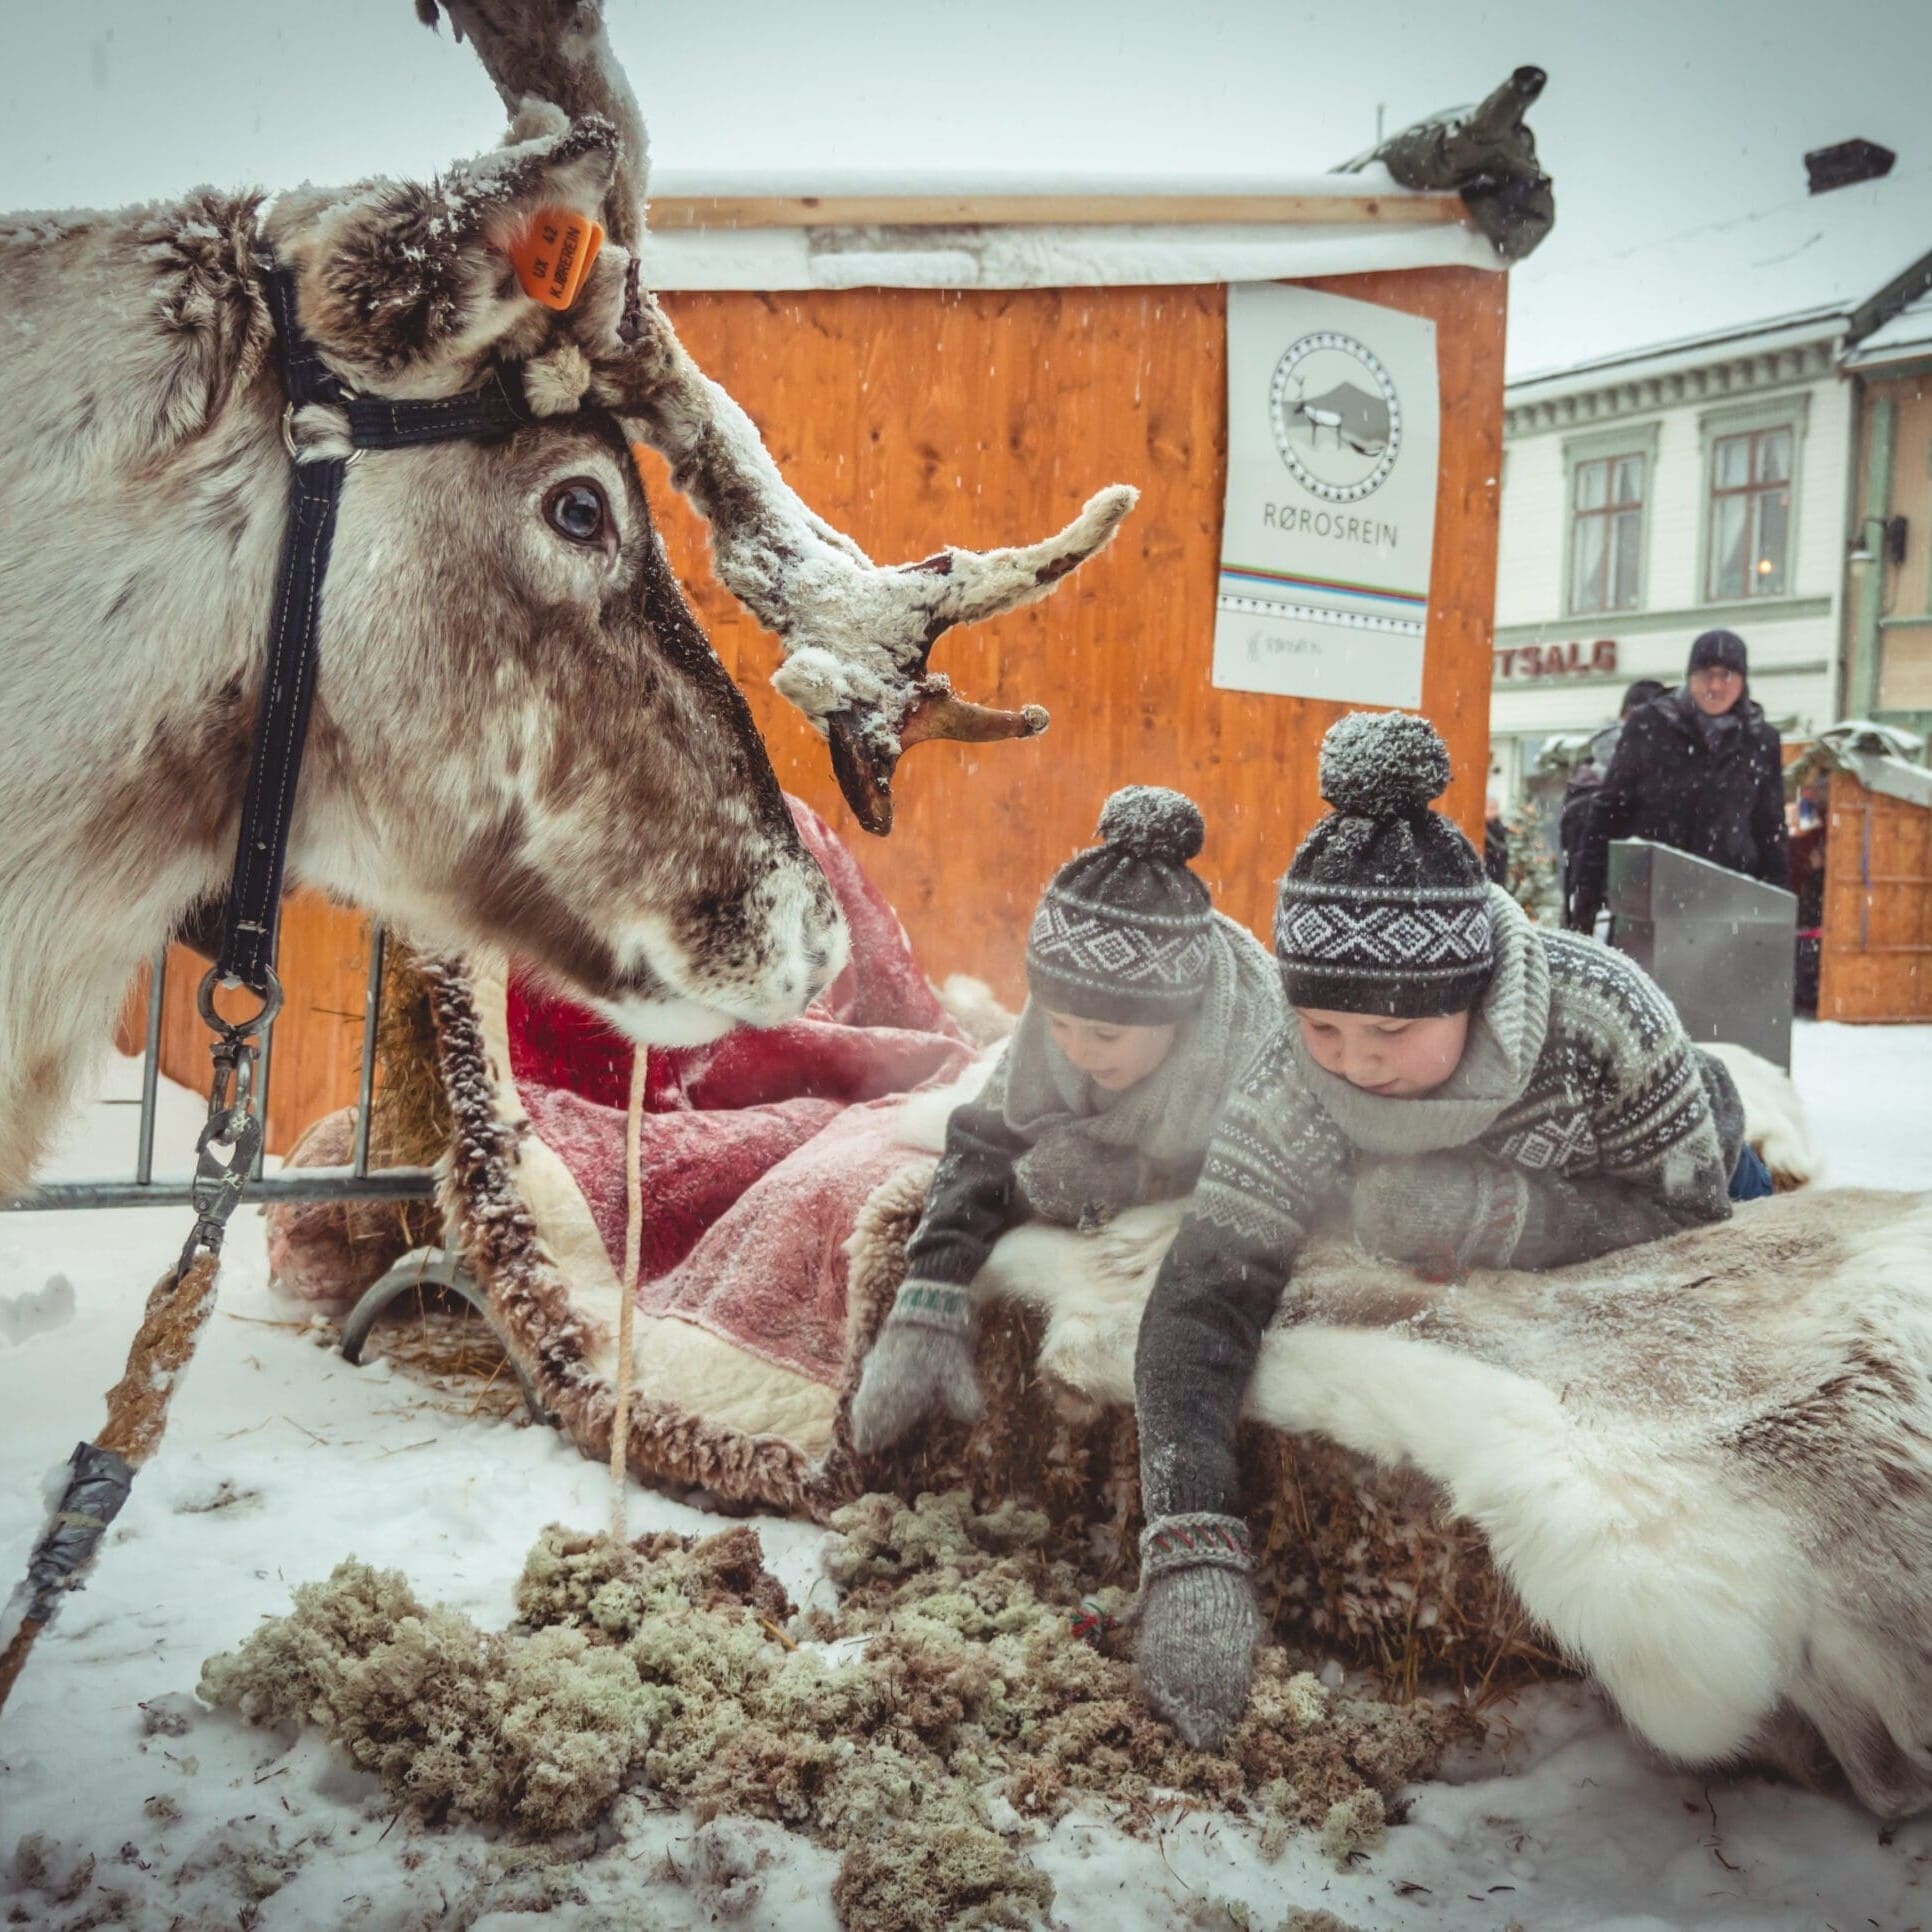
x,y
1463,1088
1143,1003
1698,768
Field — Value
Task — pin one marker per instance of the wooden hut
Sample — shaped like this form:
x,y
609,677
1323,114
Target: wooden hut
x,y
1875,942
968,367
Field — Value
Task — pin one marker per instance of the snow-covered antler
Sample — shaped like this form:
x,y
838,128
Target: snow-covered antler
x,y
557,51
1487,153
856,635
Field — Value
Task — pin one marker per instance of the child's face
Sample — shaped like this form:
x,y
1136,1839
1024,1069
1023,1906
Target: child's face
x,y
1112,1057
1403,1059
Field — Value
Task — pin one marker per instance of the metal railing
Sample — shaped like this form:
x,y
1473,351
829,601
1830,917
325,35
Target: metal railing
x,y
352,1183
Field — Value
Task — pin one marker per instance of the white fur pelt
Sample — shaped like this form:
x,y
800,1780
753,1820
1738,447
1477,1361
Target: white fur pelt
x,y
1774,1116
1705,1465
975,1009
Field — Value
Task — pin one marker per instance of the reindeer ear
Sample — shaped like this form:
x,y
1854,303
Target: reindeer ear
x,y
410,285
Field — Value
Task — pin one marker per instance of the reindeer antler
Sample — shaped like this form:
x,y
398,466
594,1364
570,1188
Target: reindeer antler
x,y
557,50
856,635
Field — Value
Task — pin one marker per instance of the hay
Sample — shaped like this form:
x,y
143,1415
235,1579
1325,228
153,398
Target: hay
x,y
677,1667
409,1120
332,1250
442,1344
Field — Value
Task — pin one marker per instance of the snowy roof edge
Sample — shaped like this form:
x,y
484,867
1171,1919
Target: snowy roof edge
x,y
782,260
672,184
1771,332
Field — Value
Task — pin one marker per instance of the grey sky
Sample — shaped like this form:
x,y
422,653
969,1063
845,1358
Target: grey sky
x,y
1660,114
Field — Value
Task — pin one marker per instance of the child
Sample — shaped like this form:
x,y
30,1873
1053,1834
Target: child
x,y
1143,1005
1479,1091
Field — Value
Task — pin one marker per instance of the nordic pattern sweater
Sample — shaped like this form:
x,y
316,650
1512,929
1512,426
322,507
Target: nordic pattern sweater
x,y
1612,1131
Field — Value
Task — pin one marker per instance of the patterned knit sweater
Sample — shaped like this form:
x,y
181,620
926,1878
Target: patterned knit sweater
x,y
1610,1124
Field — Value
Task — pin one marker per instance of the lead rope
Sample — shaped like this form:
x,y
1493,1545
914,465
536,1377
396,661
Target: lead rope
x,y
100,1473
620,1425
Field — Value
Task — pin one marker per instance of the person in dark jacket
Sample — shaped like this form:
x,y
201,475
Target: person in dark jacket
x,y
1580,794
1698,769
1495,843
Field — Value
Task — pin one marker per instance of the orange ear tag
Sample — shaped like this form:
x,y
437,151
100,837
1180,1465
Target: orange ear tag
x,y
554,257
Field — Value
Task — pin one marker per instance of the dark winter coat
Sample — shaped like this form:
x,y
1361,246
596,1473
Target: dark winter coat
x,y
1716,795
1496,851
1579,806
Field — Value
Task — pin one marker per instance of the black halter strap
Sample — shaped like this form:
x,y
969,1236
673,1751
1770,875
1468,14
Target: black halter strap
x,y
253,912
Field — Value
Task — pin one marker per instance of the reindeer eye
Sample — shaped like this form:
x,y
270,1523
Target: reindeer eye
x,y
577,510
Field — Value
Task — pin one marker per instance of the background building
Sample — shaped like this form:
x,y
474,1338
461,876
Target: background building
x,y
1684,448
1888,616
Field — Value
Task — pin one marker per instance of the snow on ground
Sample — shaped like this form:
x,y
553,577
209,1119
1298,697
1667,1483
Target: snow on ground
x,y
281,1460
1868,1093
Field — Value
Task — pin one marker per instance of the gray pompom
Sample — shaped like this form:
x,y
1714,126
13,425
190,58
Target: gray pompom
x,y
1383,764
1154,822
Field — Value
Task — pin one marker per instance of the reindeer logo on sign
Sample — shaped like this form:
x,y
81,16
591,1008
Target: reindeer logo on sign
x,y
1336,417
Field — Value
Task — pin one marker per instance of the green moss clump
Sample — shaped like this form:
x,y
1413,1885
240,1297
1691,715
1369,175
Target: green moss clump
x,y
665,1664
943,1878
1354,1825
540,1732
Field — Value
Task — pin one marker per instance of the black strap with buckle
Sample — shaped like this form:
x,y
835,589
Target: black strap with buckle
x,y
253,912
251,915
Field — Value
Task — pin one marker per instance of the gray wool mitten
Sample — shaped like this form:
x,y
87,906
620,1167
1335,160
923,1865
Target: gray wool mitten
x,y
921,1364
1198,1624
1443,1213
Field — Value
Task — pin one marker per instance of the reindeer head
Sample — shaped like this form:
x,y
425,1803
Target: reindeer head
x,y
522,737
525,731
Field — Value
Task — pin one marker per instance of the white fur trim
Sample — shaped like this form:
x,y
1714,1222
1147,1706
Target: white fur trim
x,y
1774,1115
1633,1444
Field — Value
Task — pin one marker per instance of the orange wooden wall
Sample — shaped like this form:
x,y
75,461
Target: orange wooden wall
x,y
1875,959
912,418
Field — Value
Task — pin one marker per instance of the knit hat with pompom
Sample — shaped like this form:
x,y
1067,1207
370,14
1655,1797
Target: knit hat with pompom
x,y
1385,908
1122,933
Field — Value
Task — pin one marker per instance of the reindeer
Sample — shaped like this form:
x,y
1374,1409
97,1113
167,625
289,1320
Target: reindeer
x,y
1316,418
521,739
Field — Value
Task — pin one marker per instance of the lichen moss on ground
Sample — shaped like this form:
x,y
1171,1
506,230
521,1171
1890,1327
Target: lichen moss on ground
x,y
678,1666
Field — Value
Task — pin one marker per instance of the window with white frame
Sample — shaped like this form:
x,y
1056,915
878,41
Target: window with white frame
x,y
1607,532
1749,533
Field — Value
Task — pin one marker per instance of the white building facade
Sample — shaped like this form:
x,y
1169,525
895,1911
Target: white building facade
x,y
1647,498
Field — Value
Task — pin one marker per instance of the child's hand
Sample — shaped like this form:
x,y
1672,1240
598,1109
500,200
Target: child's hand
x,y
1198,1625
921,1365
1441,1213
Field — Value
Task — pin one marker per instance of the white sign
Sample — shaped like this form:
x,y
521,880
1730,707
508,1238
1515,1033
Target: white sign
x,y
1331,508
